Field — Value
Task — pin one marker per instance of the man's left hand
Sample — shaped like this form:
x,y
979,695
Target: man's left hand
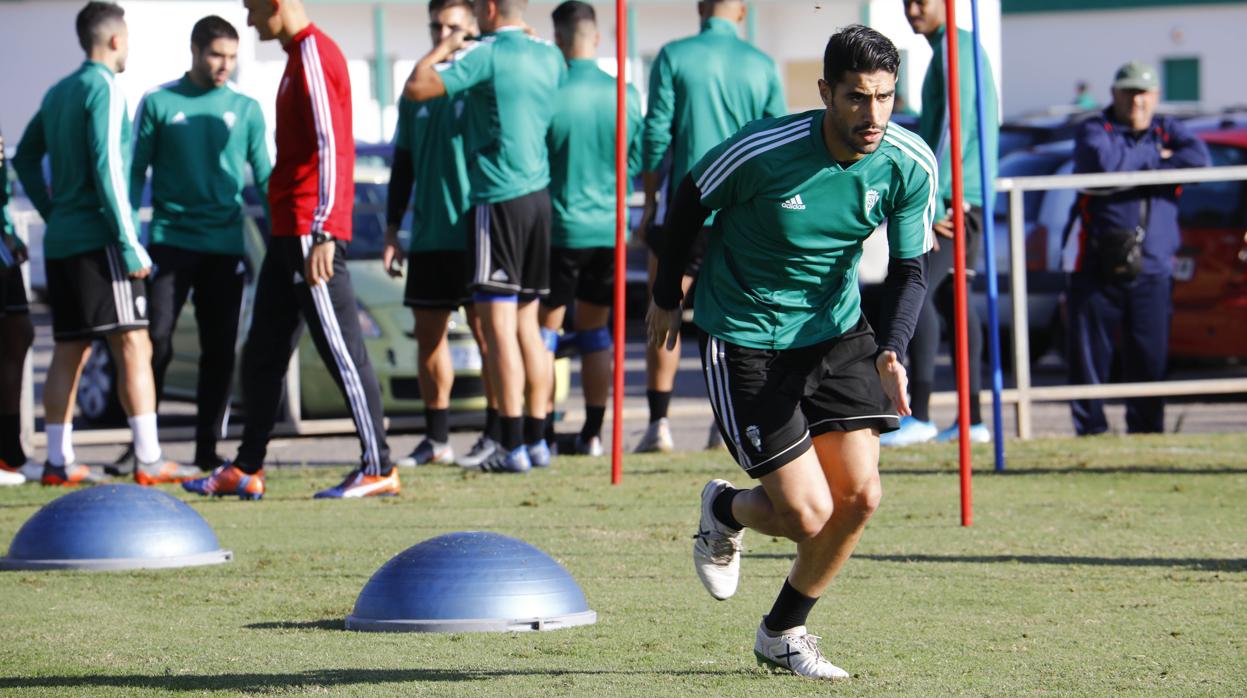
x,y
319,264
894,380
945,228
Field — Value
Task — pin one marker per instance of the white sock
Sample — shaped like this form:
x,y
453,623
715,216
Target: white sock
x,y
60,443
146,441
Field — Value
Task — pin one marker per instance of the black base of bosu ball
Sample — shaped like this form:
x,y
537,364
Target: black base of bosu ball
x,y
114,527
470,581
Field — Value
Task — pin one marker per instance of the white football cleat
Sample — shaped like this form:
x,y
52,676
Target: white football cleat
x,y
716,547
657,438
794,650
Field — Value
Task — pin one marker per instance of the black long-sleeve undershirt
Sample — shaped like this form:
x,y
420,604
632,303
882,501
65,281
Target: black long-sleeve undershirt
x,y
402,181
904,289
686,216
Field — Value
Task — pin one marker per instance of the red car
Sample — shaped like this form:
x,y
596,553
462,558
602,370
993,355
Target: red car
x,y
1210,270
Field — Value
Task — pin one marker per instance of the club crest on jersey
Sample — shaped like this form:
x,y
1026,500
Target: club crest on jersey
x,y
872,198
423,113
229,118
178,118
755,437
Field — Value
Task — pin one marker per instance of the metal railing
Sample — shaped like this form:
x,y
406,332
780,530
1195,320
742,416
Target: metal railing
x,y
1025,394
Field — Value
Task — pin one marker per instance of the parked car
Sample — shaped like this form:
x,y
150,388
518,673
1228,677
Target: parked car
x,y
387,328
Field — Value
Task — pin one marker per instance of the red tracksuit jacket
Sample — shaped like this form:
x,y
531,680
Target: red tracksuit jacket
x,y
312,185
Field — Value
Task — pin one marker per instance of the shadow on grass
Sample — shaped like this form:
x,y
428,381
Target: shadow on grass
x,y
1190,563
981,471
326,624
267,683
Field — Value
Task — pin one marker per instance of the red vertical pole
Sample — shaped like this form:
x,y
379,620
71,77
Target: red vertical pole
x,y
621,221
953,86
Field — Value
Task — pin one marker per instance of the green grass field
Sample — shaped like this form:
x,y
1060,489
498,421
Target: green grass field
x,y
1100,566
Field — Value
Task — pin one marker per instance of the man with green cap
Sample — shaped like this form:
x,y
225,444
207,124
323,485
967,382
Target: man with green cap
x,y
1119,248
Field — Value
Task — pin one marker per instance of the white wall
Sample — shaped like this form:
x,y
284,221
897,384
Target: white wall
x,y
1048,53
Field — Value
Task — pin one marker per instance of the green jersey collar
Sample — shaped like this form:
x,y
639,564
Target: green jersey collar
x,y
89,63
582,64
718,25
936,38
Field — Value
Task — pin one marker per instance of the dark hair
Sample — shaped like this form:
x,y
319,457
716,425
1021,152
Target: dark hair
x,y
436,6
210,29
858,49
511,8
94,19
568,16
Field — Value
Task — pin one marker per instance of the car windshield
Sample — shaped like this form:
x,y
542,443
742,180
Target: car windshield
x,y
1027,164
1215,204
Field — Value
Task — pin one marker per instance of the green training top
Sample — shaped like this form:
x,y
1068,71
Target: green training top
x,y
6,223
933,122
780,270
84,128
433,132
702,89
511,79
582,156
197,140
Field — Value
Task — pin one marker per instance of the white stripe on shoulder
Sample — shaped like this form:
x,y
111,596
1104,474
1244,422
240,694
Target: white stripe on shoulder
x,y
913,139
788,137
747,143
928,217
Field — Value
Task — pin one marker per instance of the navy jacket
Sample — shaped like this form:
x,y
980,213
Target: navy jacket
x,y
1105,145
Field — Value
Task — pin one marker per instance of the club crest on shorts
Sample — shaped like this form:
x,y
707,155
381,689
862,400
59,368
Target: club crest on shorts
x,y
140,306
872,198
755,437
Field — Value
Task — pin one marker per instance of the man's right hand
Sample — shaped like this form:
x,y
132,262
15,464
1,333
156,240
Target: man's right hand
x,y
141,273
392,254
663,326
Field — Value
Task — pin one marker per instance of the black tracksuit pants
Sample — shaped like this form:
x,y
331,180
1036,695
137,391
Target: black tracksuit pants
x,y
283,302
217,282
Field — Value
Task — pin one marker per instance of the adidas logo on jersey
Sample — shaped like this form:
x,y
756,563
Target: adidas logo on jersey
x,y
795,203
178,118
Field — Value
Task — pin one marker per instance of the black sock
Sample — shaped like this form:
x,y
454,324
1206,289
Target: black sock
x,y
512,432
593,422
493,428
721,507
659,401
976,411
11,440
437,424
550,436
919,400
534,429
790,610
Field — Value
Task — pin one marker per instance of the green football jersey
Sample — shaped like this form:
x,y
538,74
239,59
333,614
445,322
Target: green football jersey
x,y
702,89
582,156
933,122
197,142
84,128
780,270
433,132
510,79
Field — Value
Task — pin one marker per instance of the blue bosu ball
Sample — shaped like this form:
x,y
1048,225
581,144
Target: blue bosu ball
x,y
470,581
114,527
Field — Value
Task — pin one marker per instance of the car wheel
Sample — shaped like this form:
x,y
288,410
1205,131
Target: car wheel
x,y
98,400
